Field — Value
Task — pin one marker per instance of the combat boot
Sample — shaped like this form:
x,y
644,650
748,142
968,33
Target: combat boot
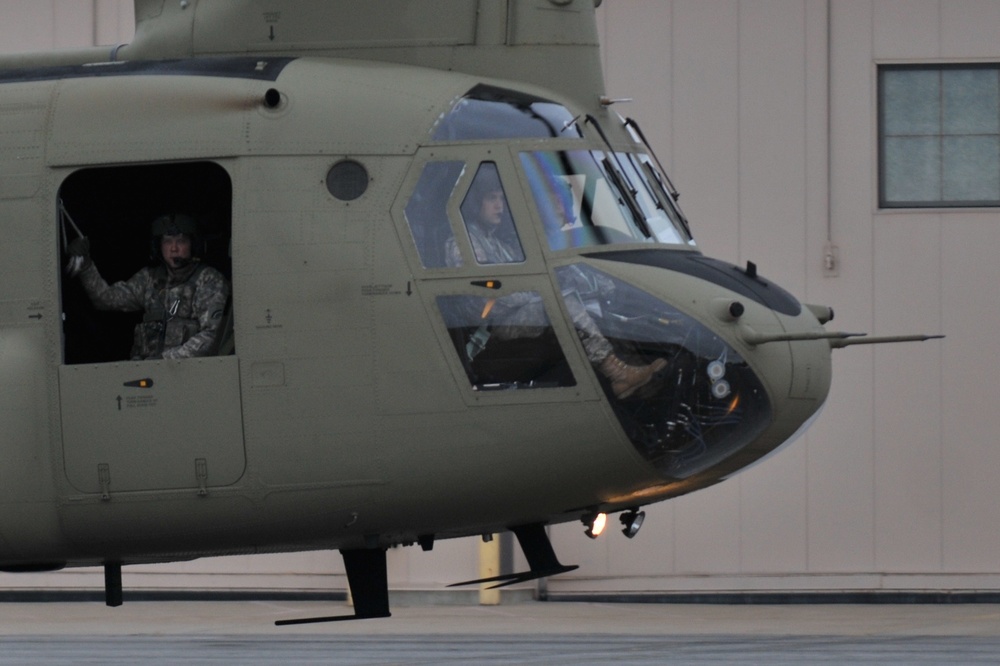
x,y
625,378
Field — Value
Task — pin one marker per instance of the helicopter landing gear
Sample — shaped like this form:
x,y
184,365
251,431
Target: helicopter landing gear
x,y
366,574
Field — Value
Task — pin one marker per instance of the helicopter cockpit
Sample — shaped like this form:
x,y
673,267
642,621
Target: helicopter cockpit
x,y
703,402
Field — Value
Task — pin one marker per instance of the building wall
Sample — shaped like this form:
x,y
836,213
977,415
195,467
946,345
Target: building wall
x,y
42,25
764,111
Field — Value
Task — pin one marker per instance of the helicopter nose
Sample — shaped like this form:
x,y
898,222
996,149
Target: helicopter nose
x,y
693,399
692,393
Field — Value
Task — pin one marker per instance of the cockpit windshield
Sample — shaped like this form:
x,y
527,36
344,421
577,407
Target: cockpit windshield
x,y
591,197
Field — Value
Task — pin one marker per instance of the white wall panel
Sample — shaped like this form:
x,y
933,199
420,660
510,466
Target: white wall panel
x,y
646,80
73,23
840,467
770,143
773,514
906,29
772,231
817,149
704,118
971,418
42,25
907,395
27,26
969,29
772,157
707,531
704,128
115,21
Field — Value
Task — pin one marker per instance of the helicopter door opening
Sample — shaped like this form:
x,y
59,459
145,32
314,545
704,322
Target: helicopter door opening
x,y
114,209
118,376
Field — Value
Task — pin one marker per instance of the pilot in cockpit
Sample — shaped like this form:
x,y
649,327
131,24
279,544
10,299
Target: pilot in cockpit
x,y
183,299
494,241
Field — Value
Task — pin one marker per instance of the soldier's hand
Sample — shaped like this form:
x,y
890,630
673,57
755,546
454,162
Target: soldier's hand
x,y
79,247
79,255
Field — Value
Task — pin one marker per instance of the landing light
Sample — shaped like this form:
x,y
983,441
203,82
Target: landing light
x,y
631,522
595,522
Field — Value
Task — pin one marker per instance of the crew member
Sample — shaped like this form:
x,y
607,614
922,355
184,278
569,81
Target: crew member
x,y
494,241
182,298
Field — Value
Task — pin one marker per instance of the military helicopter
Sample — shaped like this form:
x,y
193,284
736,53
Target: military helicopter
x,y
383,380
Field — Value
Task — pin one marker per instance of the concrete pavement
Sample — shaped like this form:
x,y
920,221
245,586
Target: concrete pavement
x,y
527,633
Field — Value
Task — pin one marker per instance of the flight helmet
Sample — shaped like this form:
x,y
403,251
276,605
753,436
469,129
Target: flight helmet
x,y
174,224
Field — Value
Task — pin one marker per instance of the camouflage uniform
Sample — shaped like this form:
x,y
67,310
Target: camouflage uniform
x,y
522,314
183,311
487,244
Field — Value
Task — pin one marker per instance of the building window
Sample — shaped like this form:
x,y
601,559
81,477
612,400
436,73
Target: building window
x,y
939,136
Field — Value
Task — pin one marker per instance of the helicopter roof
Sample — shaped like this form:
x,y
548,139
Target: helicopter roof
x,y
326,106
549,43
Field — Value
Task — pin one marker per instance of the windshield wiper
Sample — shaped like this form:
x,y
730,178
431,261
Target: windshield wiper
x,y
668,186
642,168
622,182
628,195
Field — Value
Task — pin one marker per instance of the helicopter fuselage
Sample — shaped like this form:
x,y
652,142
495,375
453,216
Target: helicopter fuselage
x,y
384,383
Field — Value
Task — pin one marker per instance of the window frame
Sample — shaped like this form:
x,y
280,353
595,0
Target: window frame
x,y
941,134
519,209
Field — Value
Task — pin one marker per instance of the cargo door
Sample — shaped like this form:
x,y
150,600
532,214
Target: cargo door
x,y
152,425
144,425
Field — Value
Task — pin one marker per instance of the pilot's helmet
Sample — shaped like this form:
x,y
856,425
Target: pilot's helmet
x,y
174,224
487,180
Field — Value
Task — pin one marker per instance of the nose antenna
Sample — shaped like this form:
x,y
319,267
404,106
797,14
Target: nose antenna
x,y
889,339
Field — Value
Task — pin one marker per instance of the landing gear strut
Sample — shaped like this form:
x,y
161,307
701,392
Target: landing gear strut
x,y
537,550
366,575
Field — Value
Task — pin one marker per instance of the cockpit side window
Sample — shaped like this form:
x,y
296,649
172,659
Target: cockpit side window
x,y
427,213
506,342
488,221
